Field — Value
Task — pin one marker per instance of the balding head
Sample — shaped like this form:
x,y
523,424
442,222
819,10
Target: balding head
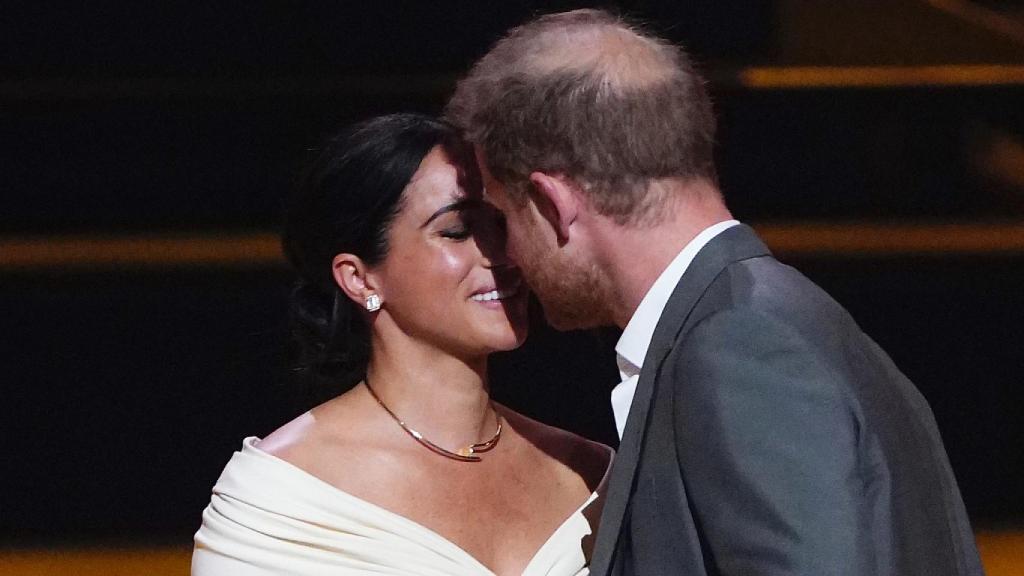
x,y
586,95
609,49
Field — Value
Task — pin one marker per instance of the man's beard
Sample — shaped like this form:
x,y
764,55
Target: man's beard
x,y
573,295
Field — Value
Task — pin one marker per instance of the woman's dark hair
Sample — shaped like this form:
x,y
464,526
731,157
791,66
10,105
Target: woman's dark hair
x,y
346,202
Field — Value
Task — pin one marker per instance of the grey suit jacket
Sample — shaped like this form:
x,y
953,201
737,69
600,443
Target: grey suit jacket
x,y
769,435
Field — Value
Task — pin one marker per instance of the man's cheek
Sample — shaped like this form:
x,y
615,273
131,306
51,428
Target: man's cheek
x,y
519,248
512,251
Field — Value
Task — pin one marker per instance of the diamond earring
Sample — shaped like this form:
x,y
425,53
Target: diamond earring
x,y
372,303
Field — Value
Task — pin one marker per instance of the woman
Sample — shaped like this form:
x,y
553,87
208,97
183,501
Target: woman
x,y
405,291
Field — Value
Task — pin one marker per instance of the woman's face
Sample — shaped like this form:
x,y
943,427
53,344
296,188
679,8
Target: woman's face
x,y
446,279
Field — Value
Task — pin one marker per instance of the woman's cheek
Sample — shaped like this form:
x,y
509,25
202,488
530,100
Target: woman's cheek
x,y
456,261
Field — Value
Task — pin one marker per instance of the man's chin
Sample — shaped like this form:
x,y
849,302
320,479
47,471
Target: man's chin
x,y
565,320
571,297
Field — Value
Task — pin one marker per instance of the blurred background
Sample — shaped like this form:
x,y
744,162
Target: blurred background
x,y
146,149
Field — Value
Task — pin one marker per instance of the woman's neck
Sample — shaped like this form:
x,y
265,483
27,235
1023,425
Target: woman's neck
x,y
443,397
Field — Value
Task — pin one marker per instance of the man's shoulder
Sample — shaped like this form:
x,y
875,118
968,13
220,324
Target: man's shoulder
x,y
765,289
760,313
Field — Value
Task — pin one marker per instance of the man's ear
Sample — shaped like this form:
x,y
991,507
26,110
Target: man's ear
x,y
352,276
556,200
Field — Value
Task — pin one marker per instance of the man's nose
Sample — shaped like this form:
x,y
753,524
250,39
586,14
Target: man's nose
x,y
493,245
498,257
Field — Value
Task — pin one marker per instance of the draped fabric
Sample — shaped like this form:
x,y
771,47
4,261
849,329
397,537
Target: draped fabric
x,y
268,516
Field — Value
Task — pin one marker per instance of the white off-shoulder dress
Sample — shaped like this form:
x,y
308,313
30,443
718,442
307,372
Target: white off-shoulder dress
x,y
269,517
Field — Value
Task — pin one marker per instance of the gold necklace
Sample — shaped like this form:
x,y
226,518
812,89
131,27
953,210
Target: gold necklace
x,y
464,454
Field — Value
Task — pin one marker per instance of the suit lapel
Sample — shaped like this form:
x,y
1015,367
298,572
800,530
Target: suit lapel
x,y
736,243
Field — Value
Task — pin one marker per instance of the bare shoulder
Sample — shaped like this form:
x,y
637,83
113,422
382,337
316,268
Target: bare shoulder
x,y
289,437
588,459
315,437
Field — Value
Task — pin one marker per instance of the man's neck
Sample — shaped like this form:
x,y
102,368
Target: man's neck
x,y
634,256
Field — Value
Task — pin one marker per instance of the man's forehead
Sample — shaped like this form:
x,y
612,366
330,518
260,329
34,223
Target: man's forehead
x,y
481,162
487,180
491,190
490,200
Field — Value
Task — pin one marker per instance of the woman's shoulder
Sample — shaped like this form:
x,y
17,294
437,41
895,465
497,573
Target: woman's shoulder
x,y
315,441
289,437
586,457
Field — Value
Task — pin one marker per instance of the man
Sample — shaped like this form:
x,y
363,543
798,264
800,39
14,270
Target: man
x,y
762,432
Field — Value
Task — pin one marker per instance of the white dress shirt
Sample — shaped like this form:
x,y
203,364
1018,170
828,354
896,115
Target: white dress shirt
x,y
636,338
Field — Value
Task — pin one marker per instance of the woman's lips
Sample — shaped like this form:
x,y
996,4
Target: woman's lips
x,y
501,292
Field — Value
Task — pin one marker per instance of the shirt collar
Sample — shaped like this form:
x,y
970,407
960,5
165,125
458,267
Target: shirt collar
x,y
636,338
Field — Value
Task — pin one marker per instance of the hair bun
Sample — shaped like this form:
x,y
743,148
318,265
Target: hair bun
x,y
330,345
310,314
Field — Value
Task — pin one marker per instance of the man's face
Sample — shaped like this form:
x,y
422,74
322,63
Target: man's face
x,y
568,284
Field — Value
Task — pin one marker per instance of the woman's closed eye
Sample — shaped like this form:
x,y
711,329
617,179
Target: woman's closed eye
x,y
455,221
460,232
479,221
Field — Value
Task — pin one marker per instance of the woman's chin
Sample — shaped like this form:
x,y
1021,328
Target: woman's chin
x,y
511,341
512,337
507,333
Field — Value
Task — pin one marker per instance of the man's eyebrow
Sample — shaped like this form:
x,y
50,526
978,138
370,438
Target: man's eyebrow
x,y
459,206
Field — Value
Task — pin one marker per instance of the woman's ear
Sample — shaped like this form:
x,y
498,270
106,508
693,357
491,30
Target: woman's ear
x,y
556,201
353,277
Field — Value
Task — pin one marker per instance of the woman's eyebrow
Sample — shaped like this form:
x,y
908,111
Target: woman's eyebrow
x,y
459,206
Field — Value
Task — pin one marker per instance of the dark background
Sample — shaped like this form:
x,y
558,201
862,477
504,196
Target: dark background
x,y
126,389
